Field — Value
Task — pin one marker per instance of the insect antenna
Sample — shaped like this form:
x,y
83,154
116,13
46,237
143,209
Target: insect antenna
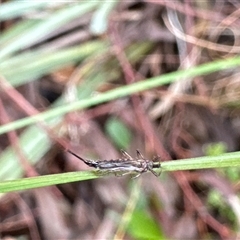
x,y
74,154
156,159
88,162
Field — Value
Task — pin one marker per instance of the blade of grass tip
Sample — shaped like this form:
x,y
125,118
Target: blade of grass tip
x,y
99,20
46,26
124,91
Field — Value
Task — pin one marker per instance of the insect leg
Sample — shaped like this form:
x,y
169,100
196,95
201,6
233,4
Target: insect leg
x,y
154,173
139,155
126,155
136,176
120,174
103,172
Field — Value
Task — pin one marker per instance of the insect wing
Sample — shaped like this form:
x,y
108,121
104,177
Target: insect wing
x,y
119,165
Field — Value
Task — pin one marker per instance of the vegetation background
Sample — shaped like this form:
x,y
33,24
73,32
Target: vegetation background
x,y
99,76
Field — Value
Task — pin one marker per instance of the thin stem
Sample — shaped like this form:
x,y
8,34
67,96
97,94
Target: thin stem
x,y
224,160
123,92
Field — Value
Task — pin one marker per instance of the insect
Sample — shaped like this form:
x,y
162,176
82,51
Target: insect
x,y
124,165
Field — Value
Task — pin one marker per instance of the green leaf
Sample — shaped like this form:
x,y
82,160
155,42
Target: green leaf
x,y
118,132
142,226
214,149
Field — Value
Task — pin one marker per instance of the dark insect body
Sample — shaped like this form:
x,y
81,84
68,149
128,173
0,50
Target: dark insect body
x,y
127,164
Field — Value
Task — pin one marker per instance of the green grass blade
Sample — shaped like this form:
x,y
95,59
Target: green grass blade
x,y
29,66
99,21
9,34
224,160
44,181
46,26
15,9
124,91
